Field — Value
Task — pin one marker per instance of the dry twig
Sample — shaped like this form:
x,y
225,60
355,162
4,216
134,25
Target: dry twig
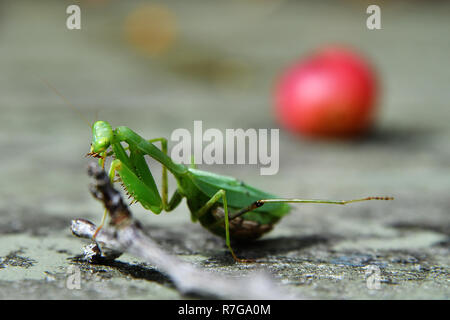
x,y
124,234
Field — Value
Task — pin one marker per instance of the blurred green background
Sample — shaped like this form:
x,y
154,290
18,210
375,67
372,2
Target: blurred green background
x,y
217,62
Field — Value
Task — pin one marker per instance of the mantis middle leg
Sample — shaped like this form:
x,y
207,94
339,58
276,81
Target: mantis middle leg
x,y
221,194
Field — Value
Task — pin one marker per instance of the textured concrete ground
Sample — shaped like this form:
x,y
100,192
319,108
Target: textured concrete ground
x,y
220,69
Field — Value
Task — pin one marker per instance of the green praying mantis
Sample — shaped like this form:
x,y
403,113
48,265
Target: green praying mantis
x,y
225,206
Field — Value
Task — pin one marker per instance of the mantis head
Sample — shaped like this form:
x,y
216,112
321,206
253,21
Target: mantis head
x,y
102,136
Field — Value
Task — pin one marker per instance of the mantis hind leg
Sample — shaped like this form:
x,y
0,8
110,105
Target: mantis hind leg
x,y
221,194
261,202
341,202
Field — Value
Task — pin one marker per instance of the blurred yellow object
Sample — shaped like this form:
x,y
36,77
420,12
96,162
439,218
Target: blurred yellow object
x,y
95,2
151,29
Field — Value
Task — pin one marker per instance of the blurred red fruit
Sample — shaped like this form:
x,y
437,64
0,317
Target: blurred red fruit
x,y
329,94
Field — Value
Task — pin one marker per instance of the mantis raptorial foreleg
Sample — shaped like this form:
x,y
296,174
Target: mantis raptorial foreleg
x,y
176,197
134,169
164,180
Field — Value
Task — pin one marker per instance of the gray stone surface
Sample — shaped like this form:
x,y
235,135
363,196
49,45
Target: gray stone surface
x,y
221,70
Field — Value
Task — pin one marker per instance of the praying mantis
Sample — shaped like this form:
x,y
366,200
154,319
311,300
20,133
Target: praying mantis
x,y
210,197
225,206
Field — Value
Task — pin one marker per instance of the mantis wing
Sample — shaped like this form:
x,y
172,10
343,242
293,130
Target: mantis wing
x,y
239,195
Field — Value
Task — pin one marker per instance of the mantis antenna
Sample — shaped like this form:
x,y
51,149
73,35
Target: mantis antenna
x,y
69,104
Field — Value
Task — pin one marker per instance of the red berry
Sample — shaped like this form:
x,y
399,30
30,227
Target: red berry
x,y
329,94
